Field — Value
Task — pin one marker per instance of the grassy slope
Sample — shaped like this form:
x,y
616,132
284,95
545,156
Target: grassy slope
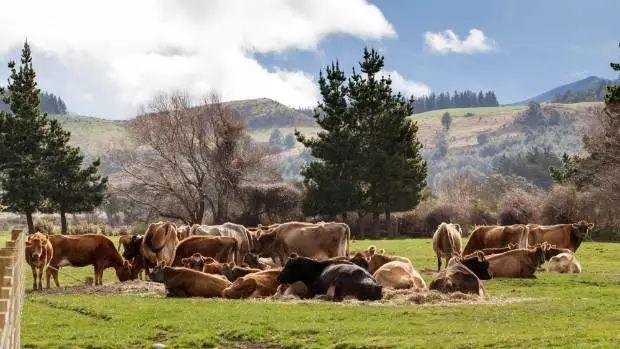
x,y
566,311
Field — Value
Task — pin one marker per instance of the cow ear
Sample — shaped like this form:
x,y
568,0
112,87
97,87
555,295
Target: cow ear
x,y
590,225
381,251
480,256
293,256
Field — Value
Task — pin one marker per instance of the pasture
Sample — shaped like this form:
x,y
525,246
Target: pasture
x,y
551,311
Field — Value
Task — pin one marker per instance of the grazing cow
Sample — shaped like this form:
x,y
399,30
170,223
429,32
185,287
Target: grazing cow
x,y
496,236
398,274
220,248
158,244
39,252
319,241
334,279
183,282
245,240
447,242
495,250
377,260
567,236
564,263
520,263
131,252
457,278
263,283
88,249
478,264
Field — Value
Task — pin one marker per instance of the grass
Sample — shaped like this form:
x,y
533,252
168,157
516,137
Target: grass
x,y
564,311
459,112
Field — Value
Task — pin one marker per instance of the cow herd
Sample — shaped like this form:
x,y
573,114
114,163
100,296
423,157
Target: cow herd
x,y
304,260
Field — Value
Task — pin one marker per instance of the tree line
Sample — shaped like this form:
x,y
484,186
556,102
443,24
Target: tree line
x,y
48,103
39,169
463,99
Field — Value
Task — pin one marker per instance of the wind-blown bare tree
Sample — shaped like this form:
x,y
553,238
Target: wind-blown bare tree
x,y
191,159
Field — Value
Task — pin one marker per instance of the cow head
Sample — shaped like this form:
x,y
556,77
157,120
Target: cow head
x,y
159,273
299,269
581,230
37,243
211,266
360,260
265,243
125,272
479,265
132,247
196,262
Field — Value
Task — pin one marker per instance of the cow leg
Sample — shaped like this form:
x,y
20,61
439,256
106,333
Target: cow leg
x,y
55,275
98,275
438,263
40,272
34,277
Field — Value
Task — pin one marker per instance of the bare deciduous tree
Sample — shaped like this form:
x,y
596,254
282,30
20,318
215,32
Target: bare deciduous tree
x,y
191,159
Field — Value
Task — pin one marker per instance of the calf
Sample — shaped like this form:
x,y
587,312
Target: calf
x,y
457,278
520,263
229,270
263,283
447,242
398,274
39,252
183,282
564,263
83,250
220,248
195,261
335,279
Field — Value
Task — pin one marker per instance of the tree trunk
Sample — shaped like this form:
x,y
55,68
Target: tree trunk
x,y
63,222
30,223
375,222
388,222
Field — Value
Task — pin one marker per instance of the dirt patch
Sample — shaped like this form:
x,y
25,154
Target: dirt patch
x,y
135,287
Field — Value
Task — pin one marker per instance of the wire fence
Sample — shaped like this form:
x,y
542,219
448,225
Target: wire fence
x,y
12,265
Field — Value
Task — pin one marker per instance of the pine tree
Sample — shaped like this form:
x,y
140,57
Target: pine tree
x,y
70,188
613,91
22,136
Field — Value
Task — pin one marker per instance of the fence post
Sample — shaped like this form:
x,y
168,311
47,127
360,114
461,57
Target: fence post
x,y
12,289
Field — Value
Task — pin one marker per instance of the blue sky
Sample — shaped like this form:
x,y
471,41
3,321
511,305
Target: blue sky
x,y
108,57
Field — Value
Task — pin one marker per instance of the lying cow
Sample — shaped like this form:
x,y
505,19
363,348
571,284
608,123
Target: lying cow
x,y
39,252
183,282
245,241
377,260
569,236
457,278
220,248
447,242
158,244
520,263
319,241
88,249
263,283
334,279
229,270
399,275
564,263
478,264
496,236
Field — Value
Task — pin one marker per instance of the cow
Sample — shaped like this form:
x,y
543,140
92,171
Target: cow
x,y
158,244
369,252
296,290
220,248
88,249
569,236
183,232
358,259
131,252
39,252
263,283
184,282
245,241
564,263
519,263
447,242
228,270
496,236
334,279
398,274
495,250
377,260
457,278
319,241
478,264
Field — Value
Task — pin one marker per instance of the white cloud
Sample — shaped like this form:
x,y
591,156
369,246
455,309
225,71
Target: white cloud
x,y
448,41
123,52
407,87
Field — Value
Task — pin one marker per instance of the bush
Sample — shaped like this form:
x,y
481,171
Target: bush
x,y
87,228
518,206
44,226
139,228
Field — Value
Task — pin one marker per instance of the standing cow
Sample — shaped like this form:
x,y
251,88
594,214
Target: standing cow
x,y
447,242
238,232
496,236
569,236
318,241
158,244
39,253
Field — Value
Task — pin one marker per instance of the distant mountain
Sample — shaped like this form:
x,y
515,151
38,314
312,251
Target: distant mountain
x,y
266,113
591,83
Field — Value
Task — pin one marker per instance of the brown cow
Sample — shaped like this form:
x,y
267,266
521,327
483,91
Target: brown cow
x,y
377,260
457,278
183,232
568,236
245,240
195,261
496,236
131,252
399,274
320,241
88,249
495,250
183,282
254,285
220,248
447,242
564,263
158,244
520,263
39,252
228,270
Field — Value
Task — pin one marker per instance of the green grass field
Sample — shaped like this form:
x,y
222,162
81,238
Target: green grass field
x,y
561,311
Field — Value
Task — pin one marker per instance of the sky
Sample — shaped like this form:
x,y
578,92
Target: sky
x,y
106,58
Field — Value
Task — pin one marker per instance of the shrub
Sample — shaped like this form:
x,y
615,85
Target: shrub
x,y
44,226
87,228
518,206
139,227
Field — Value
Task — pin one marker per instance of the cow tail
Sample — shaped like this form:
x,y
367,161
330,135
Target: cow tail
x,y
348,231
235,251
